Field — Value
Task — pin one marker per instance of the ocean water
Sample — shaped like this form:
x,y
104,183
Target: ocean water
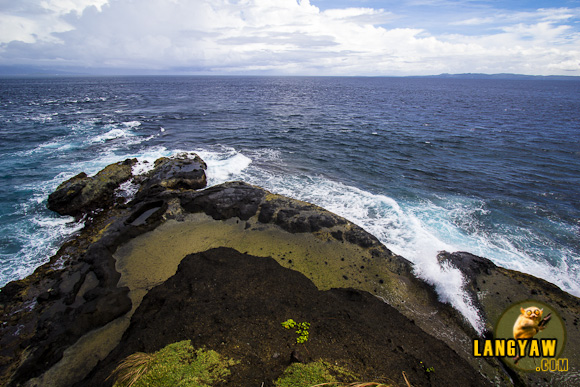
x,y
491,167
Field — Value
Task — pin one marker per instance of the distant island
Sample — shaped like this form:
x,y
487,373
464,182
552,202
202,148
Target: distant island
x,y
34,71
504,76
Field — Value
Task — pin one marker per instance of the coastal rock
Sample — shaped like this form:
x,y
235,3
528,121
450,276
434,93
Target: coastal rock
x,y
235,303
185,171
120,271
82,194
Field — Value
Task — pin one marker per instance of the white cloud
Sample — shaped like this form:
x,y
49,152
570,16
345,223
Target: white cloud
x,y
280,36
475,21
63,7
30,21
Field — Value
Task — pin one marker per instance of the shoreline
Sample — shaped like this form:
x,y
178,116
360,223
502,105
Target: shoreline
x,y
129,250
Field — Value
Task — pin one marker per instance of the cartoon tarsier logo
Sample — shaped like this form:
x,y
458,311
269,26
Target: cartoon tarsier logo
x,y
530,335
528,324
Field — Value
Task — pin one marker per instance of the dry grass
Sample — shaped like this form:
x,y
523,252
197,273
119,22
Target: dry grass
x,y
132,368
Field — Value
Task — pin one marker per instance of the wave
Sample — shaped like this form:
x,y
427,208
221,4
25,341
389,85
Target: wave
x,y
34,239
416,229
225,165
112,134
132,124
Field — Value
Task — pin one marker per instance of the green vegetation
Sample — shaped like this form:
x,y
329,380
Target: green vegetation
x,y
301,329
427,369
178,364
307,375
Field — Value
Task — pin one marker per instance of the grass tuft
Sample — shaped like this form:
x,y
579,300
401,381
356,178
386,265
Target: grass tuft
x,y
132,368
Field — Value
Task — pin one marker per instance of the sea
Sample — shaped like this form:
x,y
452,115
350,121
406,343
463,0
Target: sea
x,y
486,166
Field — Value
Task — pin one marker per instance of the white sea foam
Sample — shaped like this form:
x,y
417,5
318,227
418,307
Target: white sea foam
x,y
111,135
225,165
40,238
397,227
416,230
127,190
132,124
142,167
42,117
146,160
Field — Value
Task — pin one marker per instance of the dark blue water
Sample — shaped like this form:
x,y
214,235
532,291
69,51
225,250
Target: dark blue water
x,y
486,166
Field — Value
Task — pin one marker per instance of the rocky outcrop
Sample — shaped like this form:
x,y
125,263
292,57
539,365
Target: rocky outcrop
x,y
254,259
235,303
185,171
77,290
46,313
82,194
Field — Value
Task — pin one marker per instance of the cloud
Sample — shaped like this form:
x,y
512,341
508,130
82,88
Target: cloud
x,y
475,21
33,21
63,7
279,36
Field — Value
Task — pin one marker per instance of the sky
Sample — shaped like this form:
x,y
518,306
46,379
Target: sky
x,y
292,37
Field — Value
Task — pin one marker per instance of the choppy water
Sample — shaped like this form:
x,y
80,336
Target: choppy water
x,y
491,167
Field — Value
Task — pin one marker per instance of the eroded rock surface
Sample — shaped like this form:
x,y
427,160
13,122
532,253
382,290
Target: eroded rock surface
x,y
82,194
99,292
235,303
184,171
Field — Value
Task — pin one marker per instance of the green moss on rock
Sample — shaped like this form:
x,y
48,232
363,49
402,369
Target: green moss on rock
x,y
310,374
178,364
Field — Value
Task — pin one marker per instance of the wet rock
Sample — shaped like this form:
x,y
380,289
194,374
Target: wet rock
x,y
225,201
82,194
236,301
185,171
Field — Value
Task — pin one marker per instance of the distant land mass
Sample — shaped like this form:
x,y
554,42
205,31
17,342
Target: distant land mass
x,y
505,76
35,71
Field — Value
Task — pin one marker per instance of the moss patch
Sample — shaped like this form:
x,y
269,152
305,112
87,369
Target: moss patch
x,y
178,364
310,374
148,260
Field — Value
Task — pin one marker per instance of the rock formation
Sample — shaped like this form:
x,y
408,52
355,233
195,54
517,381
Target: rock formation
x,y
223,267
82,194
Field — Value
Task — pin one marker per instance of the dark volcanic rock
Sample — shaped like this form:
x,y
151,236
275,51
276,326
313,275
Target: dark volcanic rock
x,y
225,201
82,194
184,171
47,312
235,303
242,200
77,290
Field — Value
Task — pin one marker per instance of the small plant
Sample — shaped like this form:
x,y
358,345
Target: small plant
x,y
427,370
301,329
